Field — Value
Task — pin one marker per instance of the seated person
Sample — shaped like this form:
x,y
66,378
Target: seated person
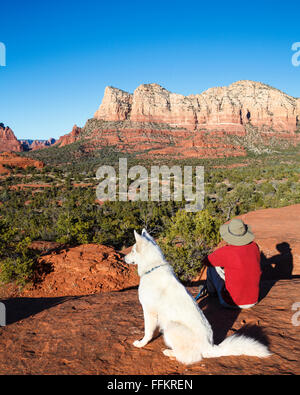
x,y
234,271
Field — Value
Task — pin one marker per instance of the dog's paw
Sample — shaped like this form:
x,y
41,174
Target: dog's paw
x,y
138,343
169,353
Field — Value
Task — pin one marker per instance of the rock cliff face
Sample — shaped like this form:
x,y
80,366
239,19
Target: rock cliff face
x,y
116,105
220,122
227,108
158,140
151,140
69,138
8,140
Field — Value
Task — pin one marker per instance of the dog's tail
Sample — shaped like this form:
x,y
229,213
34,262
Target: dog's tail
x,y
238,345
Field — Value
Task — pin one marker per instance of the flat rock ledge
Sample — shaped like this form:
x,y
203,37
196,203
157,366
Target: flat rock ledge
x,y
93,335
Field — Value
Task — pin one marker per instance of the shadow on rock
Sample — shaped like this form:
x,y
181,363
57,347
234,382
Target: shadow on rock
x,y
255,332
277,267
18,309
220,319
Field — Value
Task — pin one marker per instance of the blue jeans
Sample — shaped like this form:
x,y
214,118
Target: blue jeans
x,y
216,282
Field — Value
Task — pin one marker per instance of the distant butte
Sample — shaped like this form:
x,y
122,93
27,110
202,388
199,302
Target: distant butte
x,y
154,122
223,107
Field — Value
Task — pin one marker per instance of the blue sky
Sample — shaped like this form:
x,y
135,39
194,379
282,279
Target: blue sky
x,y
60,55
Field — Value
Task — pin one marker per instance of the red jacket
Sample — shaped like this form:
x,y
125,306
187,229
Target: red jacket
x,y
242,272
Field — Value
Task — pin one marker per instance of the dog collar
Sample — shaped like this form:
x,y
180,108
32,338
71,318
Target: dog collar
x,y
151,270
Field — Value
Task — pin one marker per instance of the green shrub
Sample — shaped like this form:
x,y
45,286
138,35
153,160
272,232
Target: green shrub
x,y
17,260
72,229
188,239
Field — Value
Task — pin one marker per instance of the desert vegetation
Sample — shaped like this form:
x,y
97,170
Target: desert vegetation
x,y
58,203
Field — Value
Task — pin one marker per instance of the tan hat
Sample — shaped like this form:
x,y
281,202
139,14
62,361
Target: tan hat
x,y
236,233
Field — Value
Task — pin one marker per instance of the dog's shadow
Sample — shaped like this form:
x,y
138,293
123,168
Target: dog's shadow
x,y
220,319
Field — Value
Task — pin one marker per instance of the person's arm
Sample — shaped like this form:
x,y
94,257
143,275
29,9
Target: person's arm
x,y
217,258
206,261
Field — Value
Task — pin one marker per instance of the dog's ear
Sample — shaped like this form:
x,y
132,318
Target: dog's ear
x,y
137,236
145,233
139,239
147,236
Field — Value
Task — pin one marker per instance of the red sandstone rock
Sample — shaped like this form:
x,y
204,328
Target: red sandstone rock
x,y
94,334
116,105
11,159
155,122
228,108
70,137
141,137
86,269
8,141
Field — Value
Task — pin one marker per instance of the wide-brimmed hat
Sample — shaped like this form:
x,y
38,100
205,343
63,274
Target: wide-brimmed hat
x,y
236,233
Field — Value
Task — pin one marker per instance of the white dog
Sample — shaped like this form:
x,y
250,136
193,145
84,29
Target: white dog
x,y
167,305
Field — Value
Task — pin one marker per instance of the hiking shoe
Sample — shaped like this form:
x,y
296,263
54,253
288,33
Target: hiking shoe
x,y
202,292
